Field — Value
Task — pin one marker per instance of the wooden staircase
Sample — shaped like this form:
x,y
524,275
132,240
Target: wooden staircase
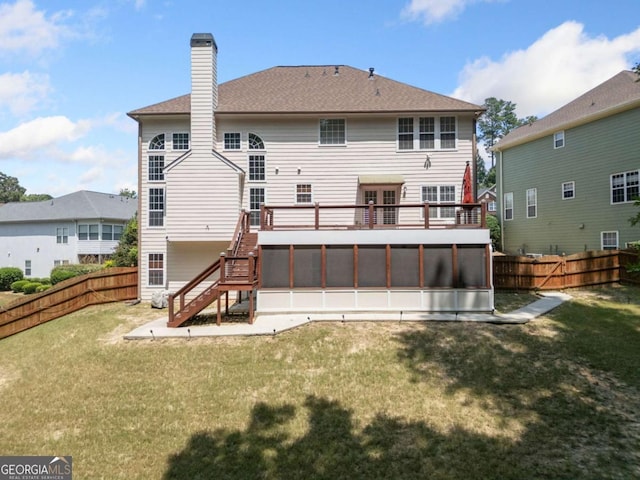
x,y
234,271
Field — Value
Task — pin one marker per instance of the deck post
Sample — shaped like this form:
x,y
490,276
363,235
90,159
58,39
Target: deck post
x,y
371,210
222,267
426,215
317,216
483,215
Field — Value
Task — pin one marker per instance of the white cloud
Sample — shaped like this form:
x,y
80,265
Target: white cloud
x,y
435,11
30,137
23,29
92,175
22,92
560,66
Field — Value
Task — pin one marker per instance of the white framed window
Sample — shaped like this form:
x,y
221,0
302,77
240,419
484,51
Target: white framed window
x,y
532,203
333,131
625,186
156,168
558,139
27,268
111,232
508,206
89,231
439,194
304,193
256,200
427,133
62,235
181,141
257,168
232,141
609,240
156,207
155,270
57,263
255,142
568,190
157,142
491,206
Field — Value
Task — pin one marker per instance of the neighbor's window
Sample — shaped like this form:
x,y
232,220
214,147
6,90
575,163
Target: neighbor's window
x,y
232,141
558,139
156,168
303,193
332,131
181,141
257,168
155,269
156,207
57,263
27,268
62,235
255,142
88,231
609,240
624,186
157,142
491,206
426,133
532,203
508,206
568,190
111,232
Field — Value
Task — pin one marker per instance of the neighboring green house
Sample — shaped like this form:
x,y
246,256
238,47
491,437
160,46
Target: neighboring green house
x,y
566,182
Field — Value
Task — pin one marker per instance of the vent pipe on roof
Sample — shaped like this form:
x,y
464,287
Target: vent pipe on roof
x,y
336,72
371,69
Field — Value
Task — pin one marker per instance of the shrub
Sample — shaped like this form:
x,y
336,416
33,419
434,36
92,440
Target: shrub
x,y
8,275
494,231
18,285
64,272
109,264
30,287
43,287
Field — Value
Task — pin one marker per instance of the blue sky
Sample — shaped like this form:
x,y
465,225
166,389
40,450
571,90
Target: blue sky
x,y
70,70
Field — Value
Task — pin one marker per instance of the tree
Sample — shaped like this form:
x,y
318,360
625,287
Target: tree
x,y
36,197
498,120
636,68
10,189
126,253
481,171
125,192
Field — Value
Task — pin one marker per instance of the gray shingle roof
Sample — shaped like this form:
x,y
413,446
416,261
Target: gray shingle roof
x,y
316,89
619,93
78,205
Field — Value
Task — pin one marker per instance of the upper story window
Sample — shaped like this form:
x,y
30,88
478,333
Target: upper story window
x,y
62,235
156,207
89,231
232,141
156,168
508,206
111,232
427,133
491,206
333,131
532,203
558,139
181,141
625,186
257,168
157,142
568,190
255,142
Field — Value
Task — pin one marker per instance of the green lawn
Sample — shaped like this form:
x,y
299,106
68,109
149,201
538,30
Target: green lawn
x,y
553,399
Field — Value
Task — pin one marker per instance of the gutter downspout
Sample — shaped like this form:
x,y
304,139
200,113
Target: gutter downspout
x,y
500,200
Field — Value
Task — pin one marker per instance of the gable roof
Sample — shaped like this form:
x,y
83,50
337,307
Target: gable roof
x,y
79,205
316,89
619,93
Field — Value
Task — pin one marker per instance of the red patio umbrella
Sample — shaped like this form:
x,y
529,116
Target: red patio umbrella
x,y
467,190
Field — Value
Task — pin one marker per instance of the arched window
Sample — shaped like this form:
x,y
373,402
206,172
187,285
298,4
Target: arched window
x,y
157,142
255,142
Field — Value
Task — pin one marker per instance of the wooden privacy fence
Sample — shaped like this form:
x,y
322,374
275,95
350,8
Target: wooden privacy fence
x,y
553,272
105,286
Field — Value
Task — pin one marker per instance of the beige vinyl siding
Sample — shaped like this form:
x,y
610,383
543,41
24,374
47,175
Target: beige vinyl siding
x,y
333,171
203,96
188,259
592,152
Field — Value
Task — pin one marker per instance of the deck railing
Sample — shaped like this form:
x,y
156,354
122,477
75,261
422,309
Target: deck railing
x,y
373,216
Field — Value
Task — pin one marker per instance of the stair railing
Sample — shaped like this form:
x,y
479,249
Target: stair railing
x,y
187,288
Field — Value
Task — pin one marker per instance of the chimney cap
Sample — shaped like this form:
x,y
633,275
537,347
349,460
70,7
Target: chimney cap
x,y
203,40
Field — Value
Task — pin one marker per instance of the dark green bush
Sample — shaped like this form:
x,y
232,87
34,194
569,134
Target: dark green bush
x,y
30,287
8,275
18,285
64,272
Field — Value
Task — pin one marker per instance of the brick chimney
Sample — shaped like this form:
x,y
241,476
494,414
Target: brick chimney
x,y
204,91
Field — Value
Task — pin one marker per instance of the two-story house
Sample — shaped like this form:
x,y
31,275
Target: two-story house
x,y
566,182
299,136
81,227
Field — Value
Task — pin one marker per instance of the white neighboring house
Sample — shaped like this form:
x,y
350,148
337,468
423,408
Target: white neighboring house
x,y
81,227
288,135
